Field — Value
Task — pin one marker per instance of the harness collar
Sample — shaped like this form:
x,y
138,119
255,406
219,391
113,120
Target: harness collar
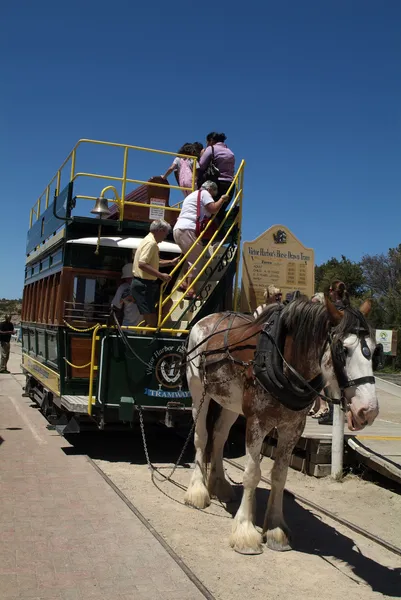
x,y
269,363
294,393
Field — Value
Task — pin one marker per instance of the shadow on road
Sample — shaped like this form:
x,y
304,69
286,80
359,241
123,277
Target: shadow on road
x,y
311,535
164,444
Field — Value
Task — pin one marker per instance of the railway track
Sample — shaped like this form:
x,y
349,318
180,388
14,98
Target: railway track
x,y
317,507
233,464
324,511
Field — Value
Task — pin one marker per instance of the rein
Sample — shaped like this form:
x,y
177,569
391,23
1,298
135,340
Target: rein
x,y
272,376
226,347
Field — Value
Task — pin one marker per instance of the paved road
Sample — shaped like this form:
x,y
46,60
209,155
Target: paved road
x,y
64,533
393,378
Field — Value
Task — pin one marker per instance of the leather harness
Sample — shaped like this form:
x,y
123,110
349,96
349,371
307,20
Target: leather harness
x,y
290,388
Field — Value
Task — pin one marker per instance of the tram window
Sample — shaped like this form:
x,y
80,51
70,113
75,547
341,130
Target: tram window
x,y
91,299
45,264
56,258
95,291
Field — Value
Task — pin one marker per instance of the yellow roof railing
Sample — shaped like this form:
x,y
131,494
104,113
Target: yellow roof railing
x,y
69,166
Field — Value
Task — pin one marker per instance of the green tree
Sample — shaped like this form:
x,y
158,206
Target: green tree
x,y
345,270
382,274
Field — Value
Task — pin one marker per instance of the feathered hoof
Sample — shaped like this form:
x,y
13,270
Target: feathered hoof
x,y
222,489
197,495
245,539
277,539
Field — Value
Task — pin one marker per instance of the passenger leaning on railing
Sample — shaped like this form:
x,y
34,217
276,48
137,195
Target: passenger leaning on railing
x,y
185,227
183,167
145,284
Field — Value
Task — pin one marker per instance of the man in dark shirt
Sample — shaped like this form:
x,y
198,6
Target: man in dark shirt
x,y
6,331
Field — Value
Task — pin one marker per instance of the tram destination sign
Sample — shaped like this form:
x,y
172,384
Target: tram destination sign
x,y
276,258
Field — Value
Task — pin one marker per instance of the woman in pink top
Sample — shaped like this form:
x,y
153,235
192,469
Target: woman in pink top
x,y
183,167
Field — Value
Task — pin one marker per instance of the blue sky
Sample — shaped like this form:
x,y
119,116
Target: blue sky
x,y
307,91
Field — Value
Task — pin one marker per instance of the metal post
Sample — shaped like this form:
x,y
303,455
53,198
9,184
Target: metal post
x,y
337,443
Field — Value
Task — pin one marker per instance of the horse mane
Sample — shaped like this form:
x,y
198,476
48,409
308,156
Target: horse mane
x,y
308,323
352,319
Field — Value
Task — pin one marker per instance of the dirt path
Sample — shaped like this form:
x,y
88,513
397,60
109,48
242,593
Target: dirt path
x,y
328,561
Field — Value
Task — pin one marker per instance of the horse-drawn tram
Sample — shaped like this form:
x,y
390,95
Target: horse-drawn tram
x,y
83,365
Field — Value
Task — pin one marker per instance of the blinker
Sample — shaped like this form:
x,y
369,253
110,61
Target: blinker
x,y
365,349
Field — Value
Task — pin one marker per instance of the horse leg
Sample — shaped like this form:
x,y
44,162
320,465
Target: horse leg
x,y
245,538
197,494
275,530
218,485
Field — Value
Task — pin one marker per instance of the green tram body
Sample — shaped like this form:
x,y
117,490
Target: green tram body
x,y
63,274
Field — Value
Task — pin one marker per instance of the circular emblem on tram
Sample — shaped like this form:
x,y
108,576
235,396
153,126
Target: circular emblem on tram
x,y
168,370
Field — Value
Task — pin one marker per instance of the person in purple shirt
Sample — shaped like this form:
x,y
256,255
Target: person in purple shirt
x,y
224,160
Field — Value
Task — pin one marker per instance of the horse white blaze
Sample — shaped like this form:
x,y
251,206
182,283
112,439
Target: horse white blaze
x,y
363,402
364,405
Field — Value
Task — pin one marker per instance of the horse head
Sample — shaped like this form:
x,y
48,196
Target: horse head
x,y
347,363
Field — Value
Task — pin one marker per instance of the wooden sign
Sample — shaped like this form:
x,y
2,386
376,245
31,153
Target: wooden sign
x,y
276,258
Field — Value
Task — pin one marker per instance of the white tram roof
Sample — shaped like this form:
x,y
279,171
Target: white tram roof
x,y
119,242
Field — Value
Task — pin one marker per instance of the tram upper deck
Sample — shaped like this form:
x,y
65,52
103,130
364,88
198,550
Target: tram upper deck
x,y
73,268
61,218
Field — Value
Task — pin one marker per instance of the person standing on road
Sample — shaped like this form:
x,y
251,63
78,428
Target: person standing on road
x,y
6,331
145,286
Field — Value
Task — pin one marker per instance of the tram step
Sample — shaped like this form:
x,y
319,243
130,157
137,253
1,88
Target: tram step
x,y
76,404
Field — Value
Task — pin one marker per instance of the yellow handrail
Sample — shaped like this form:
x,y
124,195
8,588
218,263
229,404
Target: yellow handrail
x,y
92,369
179,283
195,280
74,175
236,279
237,200
183,259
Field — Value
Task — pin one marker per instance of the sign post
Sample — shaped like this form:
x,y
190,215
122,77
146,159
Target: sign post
x,y
276,258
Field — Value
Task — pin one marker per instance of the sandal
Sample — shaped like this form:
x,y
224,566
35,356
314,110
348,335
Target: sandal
x,y
320,413
190,295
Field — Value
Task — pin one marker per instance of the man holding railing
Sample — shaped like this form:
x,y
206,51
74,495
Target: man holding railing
x,y
145,286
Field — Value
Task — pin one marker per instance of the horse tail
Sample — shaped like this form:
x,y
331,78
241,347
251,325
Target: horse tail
x,y
213,413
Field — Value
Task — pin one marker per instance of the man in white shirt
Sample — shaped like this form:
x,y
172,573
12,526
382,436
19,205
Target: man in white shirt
x,y
123,299
185,227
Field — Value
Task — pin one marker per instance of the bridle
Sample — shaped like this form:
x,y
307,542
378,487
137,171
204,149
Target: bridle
x,y
339,356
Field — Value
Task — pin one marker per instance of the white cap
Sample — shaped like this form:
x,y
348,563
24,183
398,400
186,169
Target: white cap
x,y
127,271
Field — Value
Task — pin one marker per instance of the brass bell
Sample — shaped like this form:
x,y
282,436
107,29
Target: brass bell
x,y
101,208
